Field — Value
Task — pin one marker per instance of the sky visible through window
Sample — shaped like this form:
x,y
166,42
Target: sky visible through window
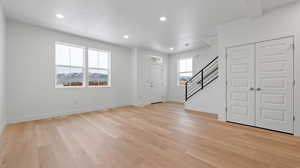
x,y
98,67
98,59
71,68
69,56
186,65
185,70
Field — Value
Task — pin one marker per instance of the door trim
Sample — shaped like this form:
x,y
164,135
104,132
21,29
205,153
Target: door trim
x,y
283,37
254,43
161,66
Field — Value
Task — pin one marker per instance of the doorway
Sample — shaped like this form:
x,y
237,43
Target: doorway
x,y
156,79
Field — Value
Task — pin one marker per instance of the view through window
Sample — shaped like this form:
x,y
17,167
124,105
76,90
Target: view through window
x,y
98,68
69,65
185,70
73,71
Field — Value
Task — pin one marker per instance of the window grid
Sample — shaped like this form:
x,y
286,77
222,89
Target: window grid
x,y
104,76
68,75
185,70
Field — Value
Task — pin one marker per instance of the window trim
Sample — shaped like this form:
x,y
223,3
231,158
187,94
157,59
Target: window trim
x,y
85,66
108,69
178,69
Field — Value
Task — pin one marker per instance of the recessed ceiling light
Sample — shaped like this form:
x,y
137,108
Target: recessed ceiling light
x,y
126,37
60,16
172,49
163,18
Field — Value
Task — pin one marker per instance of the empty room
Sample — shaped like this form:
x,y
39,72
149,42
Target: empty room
x,y
149,84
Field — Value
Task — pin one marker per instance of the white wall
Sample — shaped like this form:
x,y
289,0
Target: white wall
x,y
279,23
142,65
207,100
175,92
2,70
201,57
31,76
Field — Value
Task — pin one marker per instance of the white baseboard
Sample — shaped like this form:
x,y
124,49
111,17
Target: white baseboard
x,y
2,126
197,109
33,117
138,104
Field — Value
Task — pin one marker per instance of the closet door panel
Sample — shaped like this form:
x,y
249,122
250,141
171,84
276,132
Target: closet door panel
x,y
240,85
274,85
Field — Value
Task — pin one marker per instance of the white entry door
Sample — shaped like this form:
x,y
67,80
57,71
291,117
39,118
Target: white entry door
x,y
156,83
240,84
274,85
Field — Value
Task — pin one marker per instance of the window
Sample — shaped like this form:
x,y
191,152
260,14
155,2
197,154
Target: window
x,y
98,68
157,60
69,65
185,70
74,68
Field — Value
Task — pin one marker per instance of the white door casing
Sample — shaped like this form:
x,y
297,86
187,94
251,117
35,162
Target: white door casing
x,y
274,85
240,84
155,79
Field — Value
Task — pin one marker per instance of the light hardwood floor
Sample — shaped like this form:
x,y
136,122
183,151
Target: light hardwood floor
x,y
155,136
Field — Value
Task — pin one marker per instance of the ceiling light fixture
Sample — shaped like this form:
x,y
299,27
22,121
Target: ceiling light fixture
x,y
163,19
126,37
172,49
60,16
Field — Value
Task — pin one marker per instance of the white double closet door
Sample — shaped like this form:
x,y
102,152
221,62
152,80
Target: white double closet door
x,y
260,84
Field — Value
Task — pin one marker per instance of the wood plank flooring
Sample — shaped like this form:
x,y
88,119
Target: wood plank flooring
x,y
155,136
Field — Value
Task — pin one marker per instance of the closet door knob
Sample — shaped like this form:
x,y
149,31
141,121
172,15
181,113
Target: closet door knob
x,y
251,89
258,89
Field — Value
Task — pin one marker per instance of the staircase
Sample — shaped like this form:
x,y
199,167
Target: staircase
x,y
202,79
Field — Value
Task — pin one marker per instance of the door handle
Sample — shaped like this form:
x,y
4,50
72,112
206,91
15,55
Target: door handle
x,y
258,89
251,89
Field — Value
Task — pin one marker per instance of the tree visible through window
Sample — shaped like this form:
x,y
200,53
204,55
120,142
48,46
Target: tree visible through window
x,y
185,70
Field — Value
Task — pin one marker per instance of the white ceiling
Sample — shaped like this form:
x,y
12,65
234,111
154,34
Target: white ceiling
x,y
189,21
271,4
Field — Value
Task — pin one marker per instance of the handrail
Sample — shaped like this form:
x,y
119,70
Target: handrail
x,y
204,68
204,86
206,76
202,78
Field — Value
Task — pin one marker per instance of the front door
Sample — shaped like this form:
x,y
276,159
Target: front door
x,y
156,83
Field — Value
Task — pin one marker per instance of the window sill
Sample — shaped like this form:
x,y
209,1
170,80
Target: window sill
x,y
81,87
181,85
69,87
99,86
